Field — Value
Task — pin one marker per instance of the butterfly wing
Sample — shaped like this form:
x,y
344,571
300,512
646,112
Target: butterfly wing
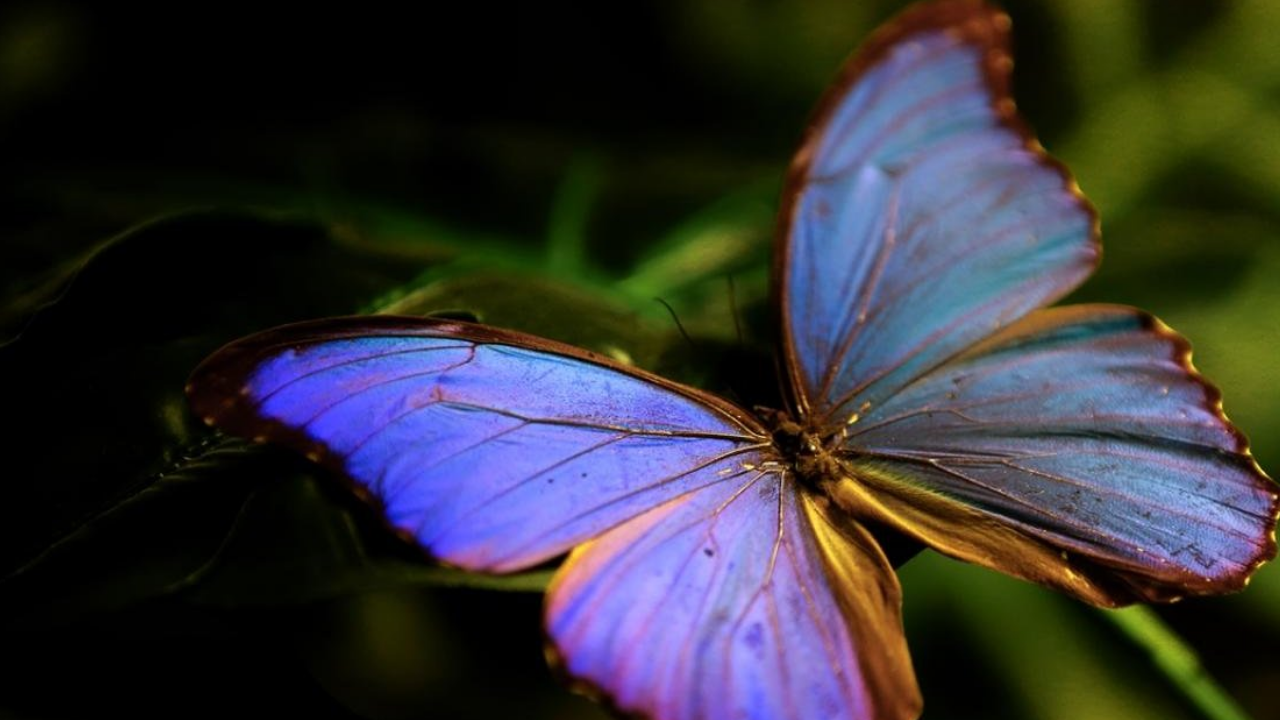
x,y
920,215
712,587
922,218
742,600
493,450
1077,448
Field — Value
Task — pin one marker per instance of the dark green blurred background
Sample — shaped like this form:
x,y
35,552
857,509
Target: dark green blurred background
x,y
581,162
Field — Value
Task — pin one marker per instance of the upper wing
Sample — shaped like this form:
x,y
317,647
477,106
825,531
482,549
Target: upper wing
x,y
920,215
743,600
1077,448
491,449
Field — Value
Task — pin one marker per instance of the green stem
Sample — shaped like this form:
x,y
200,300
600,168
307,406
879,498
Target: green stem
x,y
570,210
1177,661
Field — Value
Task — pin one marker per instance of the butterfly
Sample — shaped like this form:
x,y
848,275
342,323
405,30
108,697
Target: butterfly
x,y
720,562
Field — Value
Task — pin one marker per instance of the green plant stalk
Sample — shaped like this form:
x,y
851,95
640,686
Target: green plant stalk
x,y
1176,661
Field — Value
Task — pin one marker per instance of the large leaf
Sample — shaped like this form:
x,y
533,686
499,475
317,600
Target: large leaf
x,y
116,494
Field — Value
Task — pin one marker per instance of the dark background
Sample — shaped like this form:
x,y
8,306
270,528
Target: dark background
x,y
594,147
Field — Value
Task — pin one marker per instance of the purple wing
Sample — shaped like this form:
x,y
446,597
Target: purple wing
x,y
1077,448
493,450
741,600
920,215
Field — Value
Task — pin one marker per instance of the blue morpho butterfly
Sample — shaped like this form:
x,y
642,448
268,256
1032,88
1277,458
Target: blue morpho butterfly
x,y
720,565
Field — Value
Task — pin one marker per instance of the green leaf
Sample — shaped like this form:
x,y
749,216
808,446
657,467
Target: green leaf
x,y
116,486
150,543
536,305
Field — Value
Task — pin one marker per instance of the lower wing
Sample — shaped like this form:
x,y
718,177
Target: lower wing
x,y
1077,448
744,600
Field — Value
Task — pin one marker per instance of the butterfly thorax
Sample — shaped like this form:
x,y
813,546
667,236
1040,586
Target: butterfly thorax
x,y
807,450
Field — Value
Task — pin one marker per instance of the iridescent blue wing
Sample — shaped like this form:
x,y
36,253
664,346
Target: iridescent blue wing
x,y
493,450
1076,448
920,216
713,586
742,600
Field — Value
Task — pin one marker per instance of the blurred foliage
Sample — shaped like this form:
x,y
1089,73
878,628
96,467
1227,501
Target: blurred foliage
x,y
555,169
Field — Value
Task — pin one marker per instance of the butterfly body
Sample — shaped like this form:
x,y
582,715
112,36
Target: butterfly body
x,y
804,451
720,563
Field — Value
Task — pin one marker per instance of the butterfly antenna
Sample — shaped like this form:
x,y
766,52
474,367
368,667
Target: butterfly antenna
x,y
679,326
